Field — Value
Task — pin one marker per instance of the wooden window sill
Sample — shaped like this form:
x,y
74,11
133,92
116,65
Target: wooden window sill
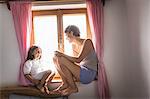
x,y
26,90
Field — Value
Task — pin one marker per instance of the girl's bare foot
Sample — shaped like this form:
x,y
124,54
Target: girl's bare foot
x,y
46,90
69,90
41,88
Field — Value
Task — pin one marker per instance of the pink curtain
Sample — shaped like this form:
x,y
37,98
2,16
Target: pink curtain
x,y
95,15
22,15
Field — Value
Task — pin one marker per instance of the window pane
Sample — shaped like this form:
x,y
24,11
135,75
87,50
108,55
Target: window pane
x,y
74,19
45,29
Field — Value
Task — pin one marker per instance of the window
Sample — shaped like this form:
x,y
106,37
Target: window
x,y
45,35
48,27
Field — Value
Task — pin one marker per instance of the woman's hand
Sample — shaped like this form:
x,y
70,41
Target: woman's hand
x,y
58,54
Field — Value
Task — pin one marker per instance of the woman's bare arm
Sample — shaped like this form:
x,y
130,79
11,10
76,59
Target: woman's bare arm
x,y
87,47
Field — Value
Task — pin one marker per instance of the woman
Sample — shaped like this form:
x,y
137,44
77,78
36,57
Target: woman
x,y
82,67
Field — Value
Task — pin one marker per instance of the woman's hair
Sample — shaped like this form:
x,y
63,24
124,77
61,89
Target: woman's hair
x,y
74,29
30,55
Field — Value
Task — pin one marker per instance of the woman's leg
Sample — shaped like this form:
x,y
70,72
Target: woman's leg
x,y
72,67
71,88
69,70
64,81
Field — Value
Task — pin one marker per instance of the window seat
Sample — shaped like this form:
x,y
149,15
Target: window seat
x,y
26,90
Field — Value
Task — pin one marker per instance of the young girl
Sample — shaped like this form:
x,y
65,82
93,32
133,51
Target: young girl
x,y
34,71
82,67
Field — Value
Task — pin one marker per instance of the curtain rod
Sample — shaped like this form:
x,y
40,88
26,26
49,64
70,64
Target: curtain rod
x,y
39,1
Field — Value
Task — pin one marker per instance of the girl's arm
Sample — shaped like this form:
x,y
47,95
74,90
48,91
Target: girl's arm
x,y
30,78
87,47
27,70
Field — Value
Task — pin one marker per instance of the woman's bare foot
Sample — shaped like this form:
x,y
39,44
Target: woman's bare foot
x,y
61,87
55,92
69,90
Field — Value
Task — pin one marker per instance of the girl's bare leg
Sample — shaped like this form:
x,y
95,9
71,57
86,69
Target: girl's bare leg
x,y
46,77
43,83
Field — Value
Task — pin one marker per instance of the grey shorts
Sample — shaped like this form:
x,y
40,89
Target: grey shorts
x,y
87,75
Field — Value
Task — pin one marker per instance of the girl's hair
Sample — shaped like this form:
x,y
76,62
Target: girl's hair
x,y
30,55
74,29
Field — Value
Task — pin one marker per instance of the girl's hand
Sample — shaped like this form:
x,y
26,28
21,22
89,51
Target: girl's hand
x,y
36,82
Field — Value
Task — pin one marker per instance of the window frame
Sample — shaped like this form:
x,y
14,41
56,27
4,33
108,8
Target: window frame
x,y
59,13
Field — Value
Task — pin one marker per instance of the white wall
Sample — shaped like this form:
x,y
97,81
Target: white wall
x,y
127,52
116,47
139,29
9,47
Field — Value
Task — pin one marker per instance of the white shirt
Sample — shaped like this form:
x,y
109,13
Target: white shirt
x,y
35,68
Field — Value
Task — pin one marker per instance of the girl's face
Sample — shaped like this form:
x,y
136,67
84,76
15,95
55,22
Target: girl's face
x,y
37,53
